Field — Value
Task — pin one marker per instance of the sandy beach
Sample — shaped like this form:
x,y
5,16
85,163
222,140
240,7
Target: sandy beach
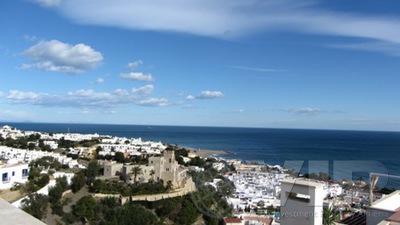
x,y
207,153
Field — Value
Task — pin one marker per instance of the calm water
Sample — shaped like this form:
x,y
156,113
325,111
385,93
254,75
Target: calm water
x,y
335,150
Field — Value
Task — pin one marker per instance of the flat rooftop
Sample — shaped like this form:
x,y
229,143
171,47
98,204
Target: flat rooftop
x,y
11,215
304,182
389,203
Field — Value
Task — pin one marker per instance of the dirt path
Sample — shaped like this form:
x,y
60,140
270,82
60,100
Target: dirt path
x,y
52,219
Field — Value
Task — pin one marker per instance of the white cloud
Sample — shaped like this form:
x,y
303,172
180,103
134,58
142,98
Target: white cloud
x,y
304,111
29,37
47,3
388,48
88,98
239,111
99,80
145,90
1,94
56,56
133,65
19,95
231,17
11,115
206,95
154,102
210,95
137,76
190,97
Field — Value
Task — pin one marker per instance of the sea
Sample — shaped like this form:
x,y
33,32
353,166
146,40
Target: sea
x,y
350,155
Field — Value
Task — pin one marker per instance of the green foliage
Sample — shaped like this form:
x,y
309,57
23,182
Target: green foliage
x,y
321,176
62,143
197,161
84,208
46,162
62,182
36,180
119,157
55,194
69,218
57,208
78,181
136,171
136,214
329,216
118,187
92,171
43,180
211,202
36,205
188,214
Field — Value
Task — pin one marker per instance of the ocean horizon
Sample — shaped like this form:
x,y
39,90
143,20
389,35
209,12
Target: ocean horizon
x,y
341,153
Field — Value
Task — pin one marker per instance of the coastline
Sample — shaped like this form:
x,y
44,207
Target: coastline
x,y
204,153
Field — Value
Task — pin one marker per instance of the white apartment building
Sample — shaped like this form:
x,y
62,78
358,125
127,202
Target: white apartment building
x,y
13,172
302,202
385,211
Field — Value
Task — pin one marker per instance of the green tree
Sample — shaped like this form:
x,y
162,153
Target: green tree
x,y
92,171
36,205
85,207
62,182
119,157
78,181
31,146
152,172
329,216
55,194
97,186
136,171
43,180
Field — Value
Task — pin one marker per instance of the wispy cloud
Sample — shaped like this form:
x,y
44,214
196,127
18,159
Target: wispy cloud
x,y
99,80
88,98
256,69
388,48
304,111
206,95
29,37
11,115
56,56
133,65
231,18
47,3
145,90
137,76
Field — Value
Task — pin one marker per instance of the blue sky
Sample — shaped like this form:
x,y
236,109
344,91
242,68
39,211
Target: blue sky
x,y
278,64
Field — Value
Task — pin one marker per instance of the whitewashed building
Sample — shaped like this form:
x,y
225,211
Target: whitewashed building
x,y
13,172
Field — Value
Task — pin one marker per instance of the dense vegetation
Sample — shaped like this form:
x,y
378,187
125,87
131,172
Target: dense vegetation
x,y
120,187
36,205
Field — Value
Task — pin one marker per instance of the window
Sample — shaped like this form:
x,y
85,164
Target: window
x,y
25,172
13,173
170,160
167,169
4,177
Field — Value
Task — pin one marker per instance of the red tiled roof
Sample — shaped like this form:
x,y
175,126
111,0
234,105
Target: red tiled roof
x,y
264,220
395,217
232,220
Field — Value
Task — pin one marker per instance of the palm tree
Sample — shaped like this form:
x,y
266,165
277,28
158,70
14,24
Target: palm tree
x,y
169,185
152,172
330,216
136,171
